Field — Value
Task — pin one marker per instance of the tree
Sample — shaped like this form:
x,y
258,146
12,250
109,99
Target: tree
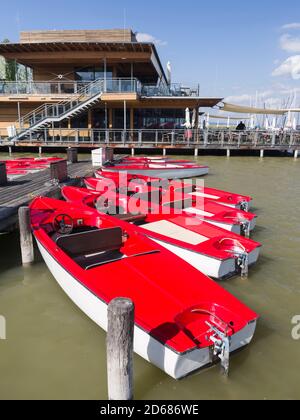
x,y
10,67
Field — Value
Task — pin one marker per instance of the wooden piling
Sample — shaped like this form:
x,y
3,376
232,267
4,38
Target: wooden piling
x,y
26,241
132,151
120,337
59,171
262,154
196,152
296,154
72,155
3,174
228,153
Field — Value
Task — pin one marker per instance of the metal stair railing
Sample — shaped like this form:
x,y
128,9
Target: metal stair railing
x,y
58,110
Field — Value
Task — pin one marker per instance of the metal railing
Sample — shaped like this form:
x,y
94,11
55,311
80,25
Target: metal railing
x,y
173,90
181,138
112,85
41,88
59,109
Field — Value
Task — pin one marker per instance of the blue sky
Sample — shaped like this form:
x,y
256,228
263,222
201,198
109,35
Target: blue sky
x,y
231,48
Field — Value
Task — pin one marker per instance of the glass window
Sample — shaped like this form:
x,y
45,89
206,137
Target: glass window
x,y
159,118
89,74
119,118
80,121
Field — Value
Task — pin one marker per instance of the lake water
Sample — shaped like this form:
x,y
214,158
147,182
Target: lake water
x,y
53,351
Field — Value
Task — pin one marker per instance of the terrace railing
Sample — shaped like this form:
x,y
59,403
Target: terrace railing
x,y
211,139
173,90
41,88
112,85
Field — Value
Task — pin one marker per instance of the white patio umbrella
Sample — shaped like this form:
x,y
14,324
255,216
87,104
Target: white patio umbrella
x,y
169,72
267,124
289,123
187,123
194,119
207,120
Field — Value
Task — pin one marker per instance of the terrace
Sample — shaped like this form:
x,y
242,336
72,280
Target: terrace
x,y
112,85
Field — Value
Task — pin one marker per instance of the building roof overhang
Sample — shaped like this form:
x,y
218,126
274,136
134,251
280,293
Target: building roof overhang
x,y
25,53
185,101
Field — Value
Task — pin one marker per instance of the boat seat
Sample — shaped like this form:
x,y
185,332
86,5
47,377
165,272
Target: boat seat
x,y
88,262
92,242
114,257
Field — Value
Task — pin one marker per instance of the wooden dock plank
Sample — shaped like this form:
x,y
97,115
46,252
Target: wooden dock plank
x,y
22,191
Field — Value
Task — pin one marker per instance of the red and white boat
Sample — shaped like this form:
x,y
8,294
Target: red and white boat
x,y
211,250
183,322
165,170
148,160
236,201
231,219
23,166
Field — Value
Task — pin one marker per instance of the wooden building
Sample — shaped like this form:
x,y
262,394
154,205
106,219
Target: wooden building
x,y
135,91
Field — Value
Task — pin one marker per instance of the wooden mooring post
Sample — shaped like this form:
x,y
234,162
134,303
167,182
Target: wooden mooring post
x,y
72,155
59,171
3,174
120,336
26,241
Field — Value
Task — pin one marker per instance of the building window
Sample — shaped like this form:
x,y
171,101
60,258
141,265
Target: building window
x,y
156,119
80,122
99,119
89,74
118,117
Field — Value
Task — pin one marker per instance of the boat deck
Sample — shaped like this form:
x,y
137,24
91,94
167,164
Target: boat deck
x,y
21,191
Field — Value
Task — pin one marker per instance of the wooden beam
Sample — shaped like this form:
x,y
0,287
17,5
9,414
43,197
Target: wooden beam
x,y
49,56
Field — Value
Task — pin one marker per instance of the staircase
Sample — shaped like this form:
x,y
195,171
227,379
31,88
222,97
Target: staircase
x,y
47,114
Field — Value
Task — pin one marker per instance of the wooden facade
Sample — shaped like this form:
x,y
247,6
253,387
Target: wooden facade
x,y
104,35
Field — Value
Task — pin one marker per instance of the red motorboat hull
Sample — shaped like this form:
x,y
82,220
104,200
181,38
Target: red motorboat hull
x,y
144,270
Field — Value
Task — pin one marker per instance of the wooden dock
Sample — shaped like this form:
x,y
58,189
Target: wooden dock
x,y
23,190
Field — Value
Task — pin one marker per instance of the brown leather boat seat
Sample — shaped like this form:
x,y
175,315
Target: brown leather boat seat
x,y
89,249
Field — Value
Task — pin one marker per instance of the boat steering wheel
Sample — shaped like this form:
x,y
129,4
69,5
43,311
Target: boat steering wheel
x,y
63,224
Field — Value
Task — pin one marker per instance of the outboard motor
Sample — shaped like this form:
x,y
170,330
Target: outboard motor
x,y
246,228
245,206
221,347
218,335
237,249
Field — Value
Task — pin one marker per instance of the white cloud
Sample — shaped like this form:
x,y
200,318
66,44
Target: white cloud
x,y
239,98
250,98
290,67
143,37
291,26
290,44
